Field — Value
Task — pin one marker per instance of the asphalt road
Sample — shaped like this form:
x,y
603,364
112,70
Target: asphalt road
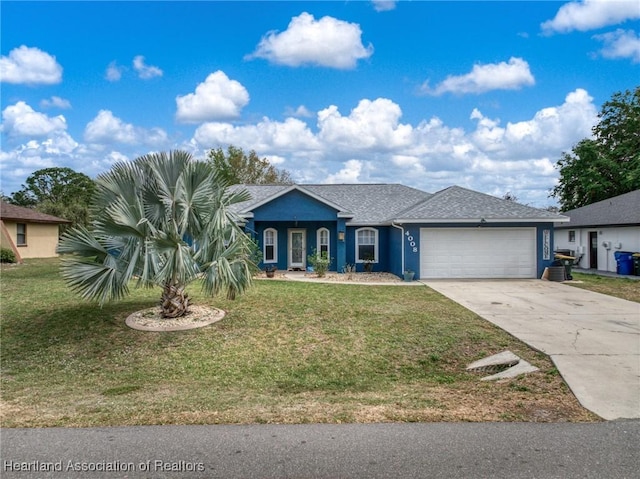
x,y
432,450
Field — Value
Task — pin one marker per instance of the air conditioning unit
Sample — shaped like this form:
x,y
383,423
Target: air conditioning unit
x,y
606,244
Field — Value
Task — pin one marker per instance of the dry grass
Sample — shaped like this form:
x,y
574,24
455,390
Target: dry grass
x,y
287,352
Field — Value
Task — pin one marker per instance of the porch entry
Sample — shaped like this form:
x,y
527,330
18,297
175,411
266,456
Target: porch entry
x,y
297,249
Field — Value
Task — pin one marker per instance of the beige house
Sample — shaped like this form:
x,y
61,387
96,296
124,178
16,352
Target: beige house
x,y
29,233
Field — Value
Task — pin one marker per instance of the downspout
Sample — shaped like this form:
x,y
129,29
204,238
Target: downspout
x,y
401,228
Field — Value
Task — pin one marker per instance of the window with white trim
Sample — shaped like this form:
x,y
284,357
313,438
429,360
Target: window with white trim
x,y
270,246
572,236
323,241
366,245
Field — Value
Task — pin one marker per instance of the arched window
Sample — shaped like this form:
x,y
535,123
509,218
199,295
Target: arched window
x,y
367,245
270,246
323,242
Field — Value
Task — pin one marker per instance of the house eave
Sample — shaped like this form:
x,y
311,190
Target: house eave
x,y
597,226
477,220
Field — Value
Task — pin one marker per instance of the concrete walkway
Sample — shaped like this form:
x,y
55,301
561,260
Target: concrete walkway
x,y
593,339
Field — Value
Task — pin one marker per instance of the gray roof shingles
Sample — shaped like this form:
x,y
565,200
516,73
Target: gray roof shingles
x,y
619,210
457,203
384,203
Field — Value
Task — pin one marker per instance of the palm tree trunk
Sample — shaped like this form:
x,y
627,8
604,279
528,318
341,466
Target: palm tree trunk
x,y
175,301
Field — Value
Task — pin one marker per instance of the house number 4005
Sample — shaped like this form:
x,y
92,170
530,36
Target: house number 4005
x,y
411,240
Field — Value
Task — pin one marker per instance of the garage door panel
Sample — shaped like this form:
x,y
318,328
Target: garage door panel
x,y
477,253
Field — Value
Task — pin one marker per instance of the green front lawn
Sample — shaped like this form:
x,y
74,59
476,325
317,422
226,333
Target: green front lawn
x,y
287,352
624,288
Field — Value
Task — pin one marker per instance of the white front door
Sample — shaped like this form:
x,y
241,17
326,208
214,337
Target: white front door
x,y
297,249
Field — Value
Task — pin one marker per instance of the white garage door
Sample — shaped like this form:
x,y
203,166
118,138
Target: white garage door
x,y
477,253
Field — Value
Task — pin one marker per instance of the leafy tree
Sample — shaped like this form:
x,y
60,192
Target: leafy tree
x,y
59,192
164,219
238,168
57,185
607,165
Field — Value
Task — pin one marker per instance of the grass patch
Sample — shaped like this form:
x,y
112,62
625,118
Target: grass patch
x,y
623,288
286,352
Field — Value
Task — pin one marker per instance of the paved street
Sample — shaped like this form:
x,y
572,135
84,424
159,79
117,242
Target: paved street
x,y
438,450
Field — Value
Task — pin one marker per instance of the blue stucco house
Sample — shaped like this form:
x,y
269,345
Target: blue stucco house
x,y
454,233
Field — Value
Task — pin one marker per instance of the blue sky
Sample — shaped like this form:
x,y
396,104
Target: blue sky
x,y
485,95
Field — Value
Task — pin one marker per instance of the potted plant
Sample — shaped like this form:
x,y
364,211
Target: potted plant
x,y
270,270
368,263
408,275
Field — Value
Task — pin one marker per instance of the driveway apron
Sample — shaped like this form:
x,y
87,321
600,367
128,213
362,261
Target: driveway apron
x,y
593,339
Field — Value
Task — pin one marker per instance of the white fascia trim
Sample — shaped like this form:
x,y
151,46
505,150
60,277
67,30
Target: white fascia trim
x,y
479,220
356,224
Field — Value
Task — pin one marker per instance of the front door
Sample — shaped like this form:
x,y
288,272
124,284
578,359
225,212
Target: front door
x,y
593,249
297,249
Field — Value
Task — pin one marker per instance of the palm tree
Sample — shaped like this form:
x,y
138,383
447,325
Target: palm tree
x,y
163,219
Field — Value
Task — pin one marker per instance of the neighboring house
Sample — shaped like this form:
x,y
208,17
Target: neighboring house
x,y
596,231
29,233
454,233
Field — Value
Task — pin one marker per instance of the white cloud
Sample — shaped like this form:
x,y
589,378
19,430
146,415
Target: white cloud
x,y
327,42
20,120
300,112
106,128
145,71
218,98
113,72
372,124
349,174
275,159
620,44
493,76
56,102
267,136
545,134
384,5
31,66
590,15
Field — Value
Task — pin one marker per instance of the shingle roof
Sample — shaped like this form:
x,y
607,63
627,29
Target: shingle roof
x,y
386,203
371,203
458,204
616,211
18,213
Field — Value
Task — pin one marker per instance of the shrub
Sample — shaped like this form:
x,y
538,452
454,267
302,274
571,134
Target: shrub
x,y
7,256
320,262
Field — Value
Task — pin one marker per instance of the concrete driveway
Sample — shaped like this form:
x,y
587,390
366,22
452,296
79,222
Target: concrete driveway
x,y
593,339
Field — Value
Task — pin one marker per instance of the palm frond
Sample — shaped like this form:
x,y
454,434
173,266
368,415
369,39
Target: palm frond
x,y
81,242
94,280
